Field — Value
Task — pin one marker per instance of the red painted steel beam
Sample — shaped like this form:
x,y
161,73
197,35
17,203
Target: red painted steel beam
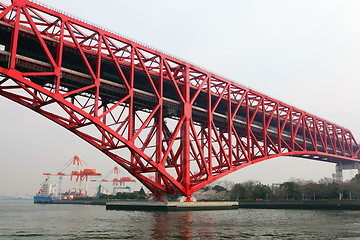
x,y
172,125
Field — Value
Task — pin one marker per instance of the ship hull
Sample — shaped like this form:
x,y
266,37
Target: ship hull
x,y
38,199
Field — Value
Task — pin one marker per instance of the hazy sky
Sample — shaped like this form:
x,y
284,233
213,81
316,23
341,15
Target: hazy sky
x,y
305,53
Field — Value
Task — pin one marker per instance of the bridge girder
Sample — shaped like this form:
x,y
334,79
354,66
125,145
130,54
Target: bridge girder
x,y
172,125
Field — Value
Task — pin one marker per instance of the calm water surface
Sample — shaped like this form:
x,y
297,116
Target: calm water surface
x,y
25,220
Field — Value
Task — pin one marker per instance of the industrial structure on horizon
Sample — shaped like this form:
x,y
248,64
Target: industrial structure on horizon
x,y
78,182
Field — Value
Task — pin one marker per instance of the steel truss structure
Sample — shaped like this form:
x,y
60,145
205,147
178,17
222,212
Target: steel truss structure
x,y
172,125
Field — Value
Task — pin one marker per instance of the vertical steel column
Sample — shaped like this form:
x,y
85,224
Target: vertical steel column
x,y
325,136
229,126
315,137
185,135
97,75
103,120
59,55
15,38
264,129
248,127
292,139
278,127
209,119
159,124
303,131
131,126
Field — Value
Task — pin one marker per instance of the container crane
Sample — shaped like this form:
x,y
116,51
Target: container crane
x,y
77,174
84,175
117,181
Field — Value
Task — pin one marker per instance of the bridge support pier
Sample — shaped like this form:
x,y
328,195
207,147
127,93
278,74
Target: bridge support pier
x,y
338,176
186,199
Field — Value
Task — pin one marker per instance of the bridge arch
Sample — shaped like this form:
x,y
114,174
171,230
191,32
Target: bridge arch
x,y
172,125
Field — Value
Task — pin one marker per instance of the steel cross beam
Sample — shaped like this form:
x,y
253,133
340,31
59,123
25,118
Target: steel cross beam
x,y
172,125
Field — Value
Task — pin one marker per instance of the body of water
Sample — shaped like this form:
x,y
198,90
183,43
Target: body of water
x,y
25,220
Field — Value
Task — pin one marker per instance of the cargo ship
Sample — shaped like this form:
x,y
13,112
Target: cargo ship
x,y
46,193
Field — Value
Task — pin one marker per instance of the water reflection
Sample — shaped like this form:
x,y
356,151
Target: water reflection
x,y
182,225
21,219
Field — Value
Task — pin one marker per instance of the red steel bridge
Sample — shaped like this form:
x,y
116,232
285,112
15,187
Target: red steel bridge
x,y
172,125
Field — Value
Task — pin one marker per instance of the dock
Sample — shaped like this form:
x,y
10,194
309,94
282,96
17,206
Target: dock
x,y
171,206
72,201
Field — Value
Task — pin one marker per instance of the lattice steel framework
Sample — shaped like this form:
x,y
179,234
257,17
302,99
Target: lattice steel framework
x,y
172,125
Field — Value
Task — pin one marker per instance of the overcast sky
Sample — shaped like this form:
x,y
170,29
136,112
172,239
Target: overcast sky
x,y
304,53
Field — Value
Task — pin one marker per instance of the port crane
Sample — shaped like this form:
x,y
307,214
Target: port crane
x,y
120,180
117,181
78,174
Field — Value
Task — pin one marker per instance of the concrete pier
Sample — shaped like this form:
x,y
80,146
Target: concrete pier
x,y
338,176
170,206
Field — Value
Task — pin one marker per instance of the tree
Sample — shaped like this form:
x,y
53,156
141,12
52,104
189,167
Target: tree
x,y
142,192
243,190
312,190
291,189
357,178
261,191
238,191
219,188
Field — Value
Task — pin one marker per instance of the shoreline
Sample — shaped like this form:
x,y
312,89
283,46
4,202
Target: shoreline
x,y
270,204
303,204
